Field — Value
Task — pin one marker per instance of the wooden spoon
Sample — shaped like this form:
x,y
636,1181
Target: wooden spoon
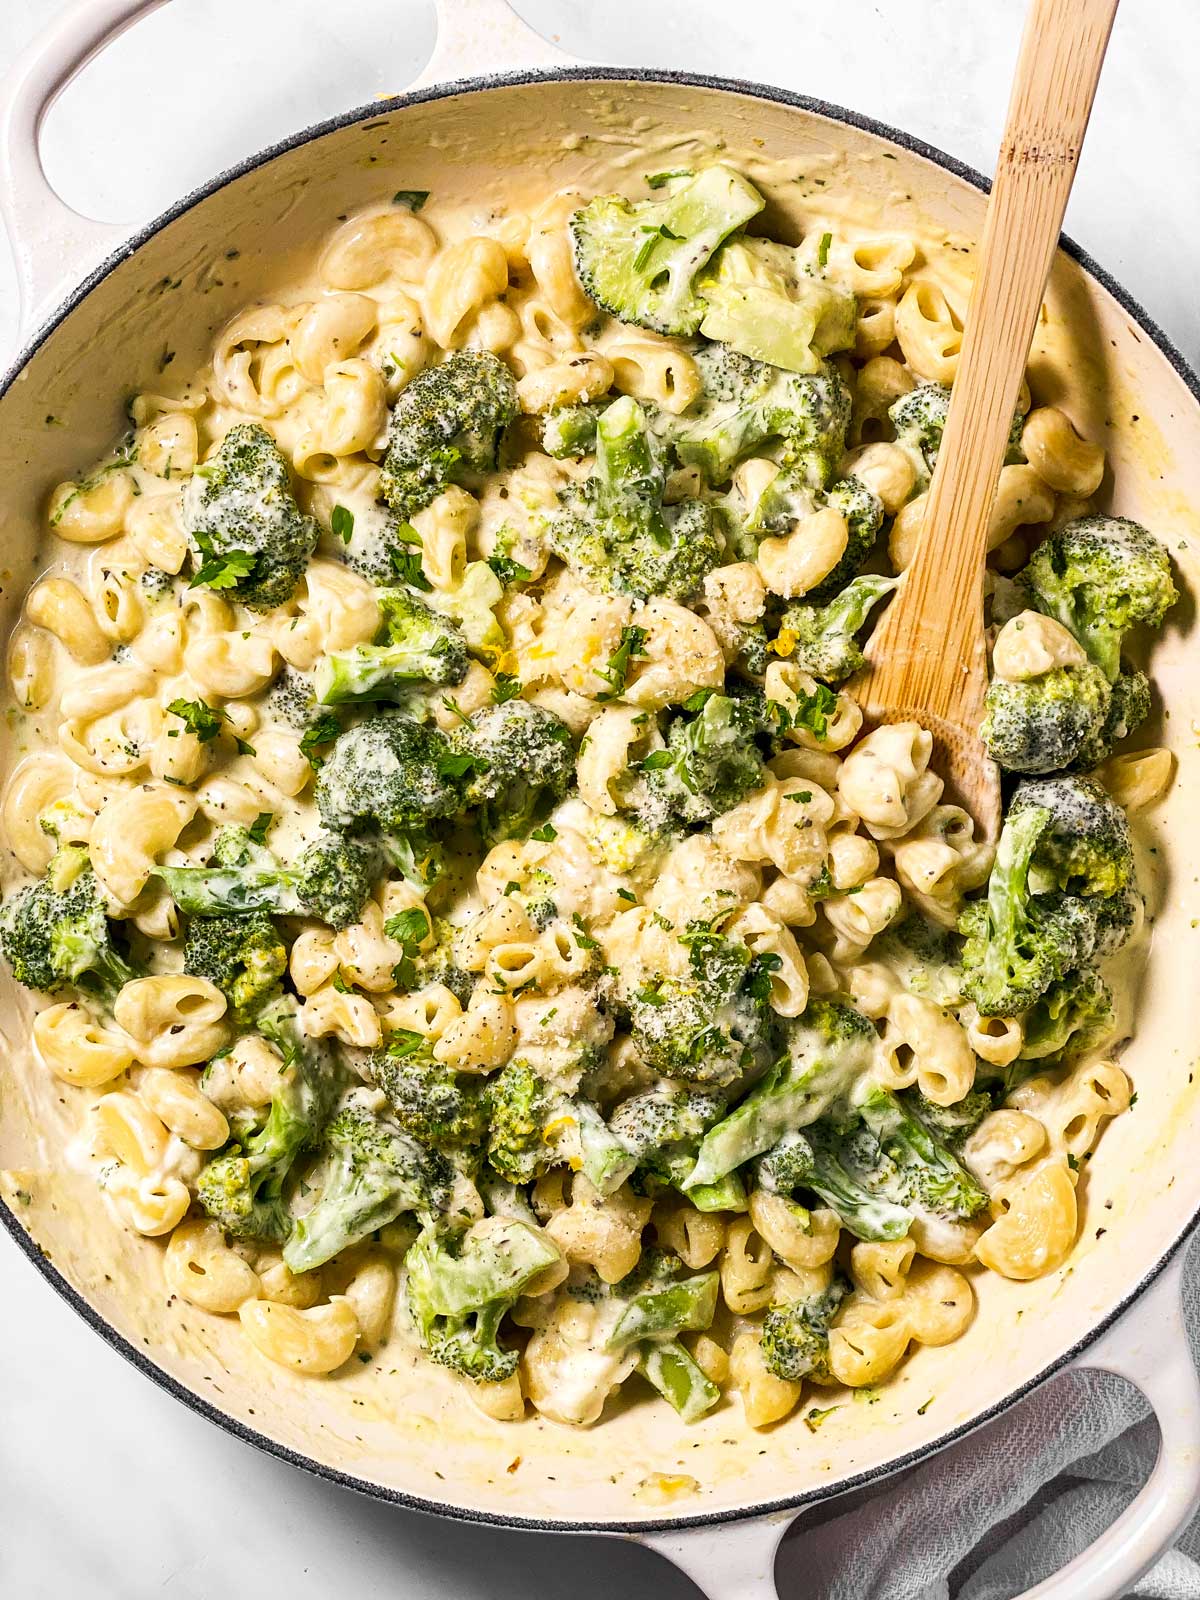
x,y
927,660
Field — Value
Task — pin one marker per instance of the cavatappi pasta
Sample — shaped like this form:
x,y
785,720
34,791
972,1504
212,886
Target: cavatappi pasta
x,y
464,903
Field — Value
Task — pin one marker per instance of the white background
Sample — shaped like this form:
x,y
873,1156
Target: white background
x,y
107,1486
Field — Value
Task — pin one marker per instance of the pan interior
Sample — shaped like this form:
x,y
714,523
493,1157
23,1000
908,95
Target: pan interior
x,y
405,1430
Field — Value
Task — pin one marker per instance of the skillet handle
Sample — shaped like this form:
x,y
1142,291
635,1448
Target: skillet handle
x,y
51,243
477,37
1149,1346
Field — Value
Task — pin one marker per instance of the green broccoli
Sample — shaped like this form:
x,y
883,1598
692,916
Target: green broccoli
x,y
521,1108
761,301
711,1025
925,957
820,639
414,645
953,1125
614,530
330,880
381,546
242,1186
1043,724
389,774
56,934
710,761
879,1167
251,540
660,1303
1118,917
1100,577
1017,942
292,699
795,1336
828,1048
1084,847
918,419
433,1103
640,262
1074,1015
519,759
571,430
370,1174
662,1127
746,404
459,1287
242,954
446,425
1128,708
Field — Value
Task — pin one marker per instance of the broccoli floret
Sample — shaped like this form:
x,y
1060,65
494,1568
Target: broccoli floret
x,y
1128,708
828,1047
251,540
291,699
1073,1015
661,1130
414,645
382,546
1100,577
879,1168
389,773
924,956
242,1186
243,955
640,262
330,880
333,879
919,420
1043,724
614,530
710,762
930,1177
521,1107
519,759
820,639
371,1173
760,300
433,1103
55,933
711,1025
795,1337
1118,917
955,1124
1084,848
1018,943
446,425
747,403
459,1286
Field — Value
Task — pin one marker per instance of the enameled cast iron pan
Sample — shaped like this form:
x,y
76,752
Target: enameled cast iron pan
x,y
410,1438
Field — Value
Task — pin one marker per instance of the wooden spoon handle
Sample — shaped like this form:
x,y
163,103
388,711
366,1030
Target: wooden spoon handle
x,y
934,624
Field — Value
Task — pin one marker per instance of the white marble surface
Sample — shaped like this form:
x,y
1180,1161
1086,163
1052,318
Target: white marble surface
x,y
107,1486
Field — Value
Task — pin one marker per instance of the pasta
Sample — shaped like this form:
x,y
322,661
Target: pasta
x,y
447,854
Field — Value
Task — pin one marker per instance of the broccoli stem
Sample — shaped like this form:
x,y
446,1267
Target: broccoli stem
x,y
669,1368
788,1096
685,1305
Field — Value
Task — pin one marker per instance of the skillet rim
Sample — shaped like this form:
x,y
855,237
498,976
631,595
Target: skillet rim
x,y
375,111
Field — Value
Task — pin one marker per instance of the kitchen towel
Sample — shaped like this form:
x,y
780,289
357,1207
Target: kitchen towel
x,y
1014,1502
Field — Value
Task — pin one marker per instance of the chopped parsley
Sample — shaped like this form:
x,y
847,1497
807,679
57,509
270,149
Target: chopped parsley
x,y
225,571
